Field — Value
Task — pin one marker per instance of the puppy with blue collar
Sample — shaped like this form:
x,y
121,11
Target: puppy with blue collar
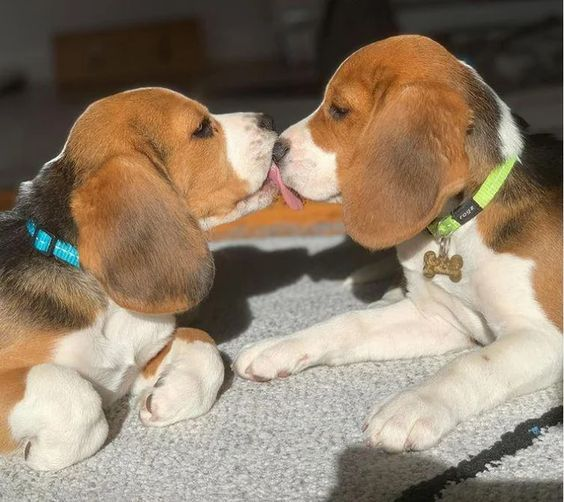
x,y
100,252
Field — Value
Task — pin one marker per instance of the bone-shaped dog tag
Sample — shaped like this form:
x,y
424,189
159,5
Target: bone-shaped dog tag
x,y
442,264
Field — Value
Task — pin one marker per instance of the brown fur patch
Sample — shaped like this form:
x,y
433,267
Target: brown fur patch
x,y
399,159
188,335
400,148
27,353
39,301
411,162
15,363
138,180
138,239
193,335
12,390
152,366
158,123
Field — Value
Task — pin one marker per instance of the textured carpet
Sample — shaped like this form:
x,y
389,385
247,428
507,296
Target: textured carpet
x,y
299,439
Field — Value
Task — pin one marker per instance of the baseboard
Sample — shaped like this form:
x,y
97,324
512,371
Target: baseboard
x,y
277,220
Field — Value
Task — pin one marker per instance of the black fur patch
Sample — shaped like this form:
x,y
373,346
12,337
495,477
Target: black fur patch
x,y
538,171
541,161
483,132
509,231
46,199
37,290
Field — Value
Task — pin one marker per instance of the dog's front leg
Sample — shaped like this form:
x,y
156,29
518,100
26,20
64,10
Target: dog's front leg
x,y
181,381
53,413
520,362
399,330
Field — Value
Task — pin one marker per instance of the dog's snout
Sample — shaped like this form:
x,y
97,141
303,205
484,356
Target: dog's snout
x,y
280,149
265,121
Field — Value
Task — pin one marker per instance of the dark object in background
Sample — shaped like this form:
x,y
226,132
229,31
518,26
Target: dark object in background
x,y
350,24
512,58
159,53
11,82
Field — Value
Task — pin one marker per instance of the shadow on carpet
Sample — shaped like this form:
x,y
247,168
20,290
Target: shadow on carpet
x,y
243,271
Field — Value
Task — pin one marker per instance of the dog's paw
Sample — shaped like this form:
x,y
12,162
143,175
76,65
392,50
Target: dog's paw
x,y
411,420
186,388
60,419
272,358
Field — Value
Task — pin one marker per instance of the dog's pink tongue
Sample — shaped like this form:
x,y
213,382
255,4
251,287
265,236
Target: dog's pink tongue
x,y
291,199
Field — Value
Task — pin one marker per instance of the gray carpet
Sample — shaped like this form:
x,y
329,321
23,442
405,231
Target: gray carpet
x,y
299,439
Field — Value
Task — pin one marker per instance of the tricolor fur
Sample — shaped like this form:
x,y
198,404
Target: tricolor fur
x,y
141,175
404,133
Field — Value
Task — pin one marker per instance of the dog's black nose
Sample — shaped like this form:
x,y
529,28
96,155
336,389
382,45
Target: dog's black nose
x,y
265,121
280,149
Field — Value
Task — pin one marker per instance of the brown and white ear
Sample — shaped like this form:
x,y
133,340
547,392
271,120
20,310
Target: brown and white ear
x,y
410,160
138,239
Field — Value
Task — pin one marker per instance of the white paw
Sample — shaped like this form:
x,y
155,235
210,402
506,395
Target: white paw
x,y
60,419
412,420
272,358
186,388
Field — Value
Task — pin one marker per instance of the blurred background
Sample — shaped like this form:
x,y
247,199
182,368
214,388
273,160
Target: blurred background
x,y
273,56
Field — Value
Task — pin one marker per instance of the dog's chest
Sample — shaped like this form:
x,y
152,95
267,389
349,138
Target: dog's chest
x,y
412,256
495,289
113,351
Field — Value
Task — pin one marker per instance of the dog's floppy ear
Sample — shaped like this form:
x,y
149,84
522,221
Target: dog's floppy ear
x,y
138,239
410,159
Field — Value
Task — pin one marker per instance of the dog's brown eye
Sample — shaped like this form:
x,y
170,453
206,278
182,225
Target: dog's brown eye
x,y
204,130
338,112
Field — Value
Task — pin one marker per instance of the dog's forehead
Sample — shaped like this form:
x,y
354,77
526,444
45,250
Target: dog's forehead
x,y
357,75
149,101
349,89
403,58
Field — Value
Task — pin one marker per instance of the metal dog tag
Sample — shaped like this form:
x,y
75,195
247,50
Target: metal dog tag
x,y
442,264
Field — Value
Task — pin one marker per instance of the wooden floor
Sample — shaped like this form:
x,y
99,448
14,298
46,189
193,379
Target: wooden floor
x,y
277,220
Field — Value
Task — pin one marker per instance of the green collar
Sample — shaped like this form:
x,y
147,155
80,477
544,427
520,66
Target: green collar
x,y
447,225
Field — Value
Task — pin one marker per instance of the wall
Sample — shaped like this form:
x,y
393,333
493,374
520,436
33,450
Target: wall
x,y
240,29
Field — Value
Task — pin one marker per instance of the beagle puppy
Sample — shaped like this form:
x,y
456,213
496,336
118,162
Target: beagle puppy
x,y
424,155
103,247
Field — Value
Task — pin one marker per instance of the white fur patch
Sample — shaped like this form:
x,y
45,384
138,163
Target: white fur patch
x,y
382,332
306,168
61,412
494,304
113,351
249,151
249,148
255,202
185,386
510,137
60,415
509,134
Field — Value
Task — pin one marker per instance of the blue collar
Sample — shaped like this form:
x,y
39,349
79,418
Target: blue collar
x,y
48,245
